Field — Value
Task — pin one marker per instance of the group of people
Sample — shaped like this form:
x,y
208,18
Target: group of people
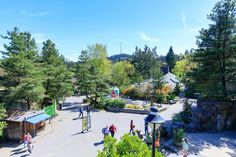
x,y
148,138
27,139
109,130
81,112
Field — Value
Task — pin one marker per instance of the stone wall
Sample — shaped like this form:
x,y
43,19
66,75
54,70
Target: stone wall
x,y
215,115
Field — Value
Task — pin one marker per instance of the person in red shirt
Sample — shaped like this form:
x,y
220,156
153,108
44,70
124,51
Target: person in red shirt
x,y
25,140
132,126
112,129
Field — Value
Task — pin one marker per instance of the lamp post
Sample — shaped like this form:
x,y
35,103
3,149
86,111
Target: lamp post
x,y
154,120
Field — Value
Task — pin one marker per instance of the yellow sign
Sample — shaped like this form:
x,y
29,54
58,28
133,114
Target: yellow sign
x,y
84,123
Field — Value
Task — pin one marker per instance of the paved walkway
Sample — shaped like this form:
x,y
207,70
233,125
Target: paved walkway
x,y
66,139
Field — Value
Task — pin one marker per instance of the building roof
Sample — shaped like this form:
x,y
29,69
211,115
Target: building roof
x,y
38,118
20,116
171,79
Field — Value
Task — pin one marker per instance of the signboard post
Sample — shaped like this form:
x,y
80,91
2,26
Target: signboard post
x,y
86,123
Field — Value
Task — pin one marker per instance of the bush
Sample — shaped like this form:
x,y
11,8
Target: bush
x,y
130,106
138,107
179,135
186,114
171,96
116,103
104,103
128,146
161,98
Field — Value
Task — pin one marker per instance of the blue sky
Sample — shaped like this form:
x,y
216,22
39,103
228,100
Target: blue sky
x,y
73,24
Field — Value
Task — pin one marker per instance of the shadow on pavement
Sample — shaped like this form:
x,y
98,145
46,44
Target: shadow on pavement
x,y
98,143
24,155
200,141
81,132
18,151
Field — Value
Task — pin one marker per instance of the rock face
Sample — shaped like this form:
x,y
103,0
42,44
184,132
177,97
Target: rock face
x,y
214,116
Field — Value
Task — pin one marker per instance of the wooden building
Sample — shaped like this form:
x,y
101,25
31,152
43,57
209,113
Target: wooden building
x,y
20,122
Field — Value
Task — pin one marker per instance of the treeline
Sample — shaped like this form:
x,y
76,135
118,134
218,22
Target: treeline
x,y
30,76
214,72
95,73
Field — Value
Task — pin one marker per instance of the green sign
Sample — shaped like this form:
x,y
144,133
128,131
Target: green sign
x,y
51,109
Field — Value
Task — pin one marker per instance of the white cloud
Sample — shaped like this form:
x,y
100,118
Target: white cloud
x,y
184,20
148,38
28,13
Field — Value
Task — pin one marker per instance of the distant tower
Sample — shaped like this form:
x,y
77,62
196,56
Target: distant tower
x,y
120,48
120,52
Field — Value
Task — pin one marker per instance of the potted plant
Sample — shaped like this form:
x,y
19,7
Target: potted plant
x,y
178,137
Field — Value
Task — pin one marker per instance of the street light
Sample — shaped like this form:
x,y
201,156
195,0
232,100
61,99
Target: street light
x,y
154,120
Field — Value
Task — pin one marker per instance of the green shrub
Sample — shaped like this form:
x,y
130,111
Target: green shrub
x,y
118,103
161,98
179,135
104,103
177,118
171,96
2,116
186,114
128,146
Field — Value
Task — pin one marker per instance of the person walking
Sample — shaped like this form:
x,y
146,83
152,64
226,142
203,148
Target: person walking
x,y
185,147
81,112
29,143
88,110
132,126
105,131
25,140
112,129
146,128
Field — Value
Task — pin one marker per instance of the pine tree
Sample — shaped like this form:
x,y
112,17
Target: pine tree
x,y
215,57
57,79
82,73
170,59
23,76
145,60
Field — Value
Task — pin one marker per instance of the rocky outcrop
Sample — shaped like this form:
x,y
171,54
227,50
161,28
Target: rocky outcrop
x,y
214,116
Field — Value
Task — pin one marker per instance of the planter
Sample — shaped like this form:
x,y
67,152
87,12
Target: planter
x,y
135,111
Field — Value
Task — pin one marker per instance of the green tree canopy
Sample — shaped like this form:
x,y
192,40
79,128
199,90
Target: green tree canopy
x,y
145,61
93,71
122,72
215,73
170,58
57,79
98,57
128,146
23,76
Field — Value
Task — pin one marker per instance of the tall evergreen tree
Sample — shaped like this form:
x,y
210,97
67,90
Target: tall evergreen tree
x,y
170,58
93,72
215,58
82,73
145,60
23,76
57,79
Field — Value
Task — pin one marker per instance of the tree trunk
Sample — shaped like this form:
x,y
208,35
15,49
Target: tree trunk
x,y
28,104
46,93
